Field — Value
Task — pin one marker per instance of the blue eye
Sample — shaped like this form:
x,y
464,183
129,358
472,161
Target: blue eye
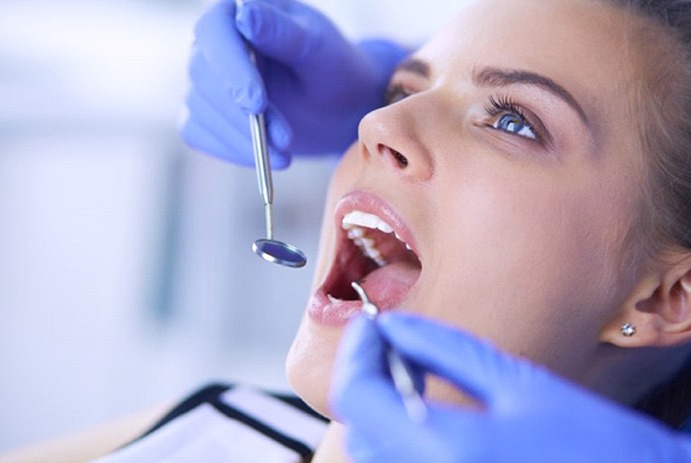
x,y
515,124
510,118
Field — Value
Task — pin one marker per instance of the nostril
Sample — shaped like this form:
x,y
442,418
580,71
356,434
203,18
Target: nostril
x,y
395,157
402,160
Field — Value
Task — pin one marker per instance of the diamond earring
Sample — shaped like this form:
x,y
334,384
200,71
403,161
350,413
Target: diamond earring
x,y
628,330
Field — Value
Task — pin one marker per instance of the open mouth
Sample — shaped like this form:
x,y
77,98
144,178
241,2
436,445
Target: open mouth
x,y
372,252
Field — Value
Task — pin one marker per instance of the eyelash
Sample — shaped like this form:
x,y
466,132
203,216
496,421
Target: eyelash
x,y
506,105
396,93
496,106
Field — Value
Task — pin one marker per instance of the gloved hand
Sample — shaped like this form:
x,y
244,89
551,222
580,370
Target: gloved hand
x,y
529,414
313,83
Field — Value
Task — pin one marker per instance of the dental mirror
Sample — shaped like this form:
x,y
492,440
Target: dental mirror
x,y
269,249
279,252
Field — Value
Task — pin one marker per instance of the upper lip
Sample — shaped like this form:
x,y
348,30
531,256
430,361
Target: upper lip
x,y
372,204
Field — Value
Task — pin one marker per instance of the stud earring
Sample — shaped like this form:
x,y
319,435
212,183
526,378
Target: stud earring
x,y
628,330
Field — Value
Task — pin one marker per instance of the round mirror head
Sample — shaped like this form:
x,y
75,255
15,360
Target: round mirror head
x,y
279,252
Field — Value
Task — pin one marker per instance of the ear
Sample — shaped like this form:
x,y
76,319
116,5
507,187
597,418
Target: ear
x,y
659,308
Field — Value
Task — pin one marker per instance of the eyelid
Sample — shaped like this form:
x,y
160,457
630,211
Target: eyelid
x,y
505,104
395,93
405,83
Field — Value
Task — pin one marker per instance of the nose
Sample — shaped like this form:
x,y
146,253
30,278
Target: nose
x,y
392,135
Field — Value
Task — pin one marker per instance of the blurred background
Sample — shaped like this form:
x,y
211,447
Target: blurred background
x,y
126,275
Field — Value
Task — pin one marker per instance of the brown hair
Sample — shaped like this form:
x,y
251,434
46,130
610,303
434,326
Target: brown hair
x,y
664,120
664,116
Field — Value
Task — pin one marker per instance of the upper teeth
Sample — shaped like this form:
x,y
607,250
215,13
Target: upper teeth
x,y
356,221
363,219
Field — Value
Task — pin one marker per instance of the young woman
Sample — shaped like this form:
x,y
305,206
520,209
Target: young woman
x,y
527,181
533,157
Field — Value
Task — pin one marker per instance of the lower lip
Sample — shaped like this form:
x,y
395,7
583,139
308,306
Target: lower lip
x,y
333,314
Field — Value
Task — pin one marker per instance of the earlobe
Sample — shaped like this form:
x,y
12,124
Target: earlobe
x,y
635,322
658,311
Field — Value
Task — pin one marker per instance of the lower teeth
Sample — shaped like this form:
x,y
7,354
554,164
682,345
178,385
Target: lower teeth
x,y
333,299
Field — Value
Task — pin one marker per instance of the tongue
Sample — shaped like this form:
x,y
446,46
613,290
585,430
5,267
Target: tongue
x,y
388,286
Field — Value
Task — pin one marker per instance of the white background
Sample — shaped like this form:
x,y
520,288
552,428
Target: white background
x,y
126,276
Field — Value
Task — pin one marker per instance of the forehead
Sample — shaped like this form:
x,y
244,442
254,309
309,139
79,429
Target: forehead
x,y
582,44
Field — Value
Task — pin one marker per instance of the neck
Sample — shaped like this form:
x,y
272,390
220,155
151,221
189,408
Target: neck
x,y
332,447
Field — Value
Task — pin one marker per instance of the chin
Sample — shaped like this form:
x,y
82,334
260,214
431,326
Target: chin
x,y
310,362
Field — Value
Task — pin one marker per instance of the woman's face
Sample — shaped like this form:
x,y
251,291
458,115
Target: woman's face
x,y
508,161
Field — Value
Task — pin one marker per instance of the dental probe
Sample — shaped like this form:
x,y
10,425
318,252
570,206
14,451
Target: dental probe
x,y
268,248
402,378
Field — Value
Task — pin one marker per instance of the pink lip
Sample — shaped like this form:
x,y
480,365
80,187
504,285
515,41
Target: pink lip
x,y
333,314
336,314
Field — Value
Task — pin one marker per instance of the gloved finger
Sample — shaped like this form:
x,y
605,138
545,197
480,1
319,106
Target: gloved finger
x,y
207,86
362,447
217,38
224,135
384,446
459,434
205,82
475,366
279,133
200,139
297,37
447,436
362,391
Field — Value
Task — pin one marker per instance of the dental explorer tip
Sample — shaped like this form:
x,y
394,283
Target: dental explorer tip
x,y
367,306
360,291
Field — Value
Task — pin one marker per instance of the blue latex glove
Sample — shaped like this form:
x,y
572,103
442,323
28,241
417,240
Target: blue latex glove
x,y
313,83
530,414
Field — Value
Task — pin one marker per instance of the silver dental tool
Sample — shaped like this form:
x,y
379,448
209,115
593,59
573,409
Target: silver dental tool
x,y
268,248
402,378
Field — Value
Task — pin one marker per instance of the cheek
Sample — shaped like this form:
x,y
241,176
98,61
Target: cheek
x,y
349,167
511,223
520,255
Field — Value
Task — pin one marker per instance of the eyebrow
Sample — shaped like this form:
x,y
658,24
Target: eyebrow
x,y
491,76
414,65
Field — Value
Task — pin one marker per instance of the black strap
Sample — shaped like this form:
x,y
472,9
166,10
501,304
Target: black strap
x,y
212,395
208,394
231,412
297,402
